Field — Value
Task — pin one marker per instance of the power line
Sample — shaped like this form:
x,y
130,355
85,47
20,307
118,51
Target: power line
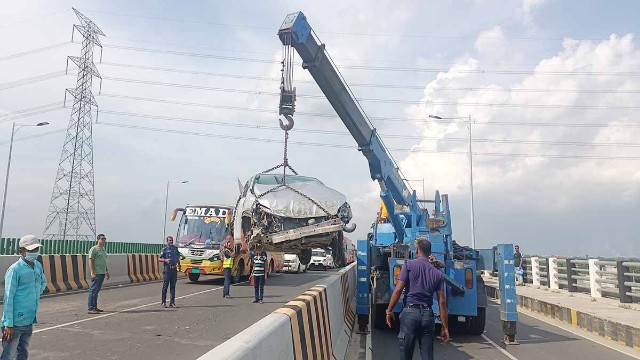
x,y
34,51
33,79
29,137
375,100
343,146
42,16
24,113
184,53
419,36
385,135
21,111
347,60
269,111
387,86
387,68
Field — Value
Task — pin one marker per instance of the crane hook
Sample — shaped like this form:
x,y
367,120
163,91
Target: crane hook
x,y
289,125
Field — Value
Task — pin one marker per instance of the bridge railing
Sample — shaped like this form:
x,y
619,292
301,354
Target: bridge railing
x,y
9,246
599,278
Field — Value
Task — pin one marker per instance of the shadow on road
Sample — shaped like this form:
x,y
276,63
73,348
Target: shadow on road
x,y
205,306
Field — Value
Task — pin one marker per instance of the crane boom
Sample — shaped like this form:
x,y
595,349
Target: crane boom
x,y
296,32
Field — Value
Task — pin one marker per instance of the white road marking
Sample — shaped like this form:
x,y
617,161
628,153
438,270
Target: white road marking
x,y
122,311
583,334
499,348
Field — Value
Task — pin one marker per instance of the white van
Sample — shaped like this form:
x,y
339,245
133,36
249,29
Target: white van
x,y
320,260
292,264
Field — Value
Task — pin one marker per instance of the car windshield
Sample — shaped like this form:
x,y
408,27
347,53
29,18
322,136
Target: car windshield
x,y
276,179
201,231
318,253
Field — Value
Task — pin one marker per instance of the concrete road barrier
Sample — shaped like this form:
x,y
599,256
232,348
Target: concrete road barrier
x,y
316,325
71,272
624,334
143,267
64,272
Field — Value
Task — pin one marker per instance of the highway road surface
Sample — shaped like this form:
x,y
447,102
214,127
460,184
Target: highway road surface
x,y
135,326
539,340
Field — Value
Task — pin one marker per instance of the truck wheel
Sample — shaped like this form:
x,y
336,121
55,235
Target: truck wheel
x,y
305,256
378,312
476,323
238,275
194,277
337,251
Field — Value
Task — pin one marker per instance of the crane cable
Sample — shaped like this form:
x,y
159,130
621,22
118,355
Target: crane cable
x,y
286,109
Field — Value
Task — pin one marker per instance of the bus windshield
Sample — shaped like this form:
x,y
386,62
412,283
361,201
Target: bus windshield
x,y
201,231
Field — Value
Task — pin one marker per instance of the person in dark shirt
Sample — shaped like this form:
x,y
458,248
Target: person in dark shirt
x,y
421,280
171,259
517,263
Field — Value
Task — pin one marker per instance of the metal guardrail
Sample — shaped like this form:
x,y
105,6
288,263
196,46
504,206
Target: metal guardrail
x,y
599,278
9,246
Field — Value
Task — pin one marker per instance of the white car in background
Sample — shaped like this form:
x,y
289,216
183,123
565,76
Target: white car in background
x,y
320,260
292,264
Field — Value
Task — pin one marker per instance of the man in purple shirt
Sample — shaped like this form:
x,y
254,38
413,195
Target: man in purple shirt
x,y
417,322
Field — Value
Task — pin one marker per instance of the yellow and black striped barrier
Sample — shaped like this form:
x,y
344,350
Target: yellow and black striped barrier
x,y
347,290
143,267
310,328
64,272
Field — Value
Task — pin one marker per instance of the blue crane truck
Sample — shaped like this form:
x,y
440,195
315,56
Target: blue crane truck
x,y
392,240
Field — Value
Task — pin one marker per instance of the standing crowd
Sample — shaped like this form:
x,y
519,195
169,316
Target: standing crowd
x,y
25,282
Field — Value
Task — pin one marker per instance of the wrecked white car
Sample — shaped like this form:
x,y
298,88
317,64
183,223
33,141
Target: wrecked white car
x,y
294,217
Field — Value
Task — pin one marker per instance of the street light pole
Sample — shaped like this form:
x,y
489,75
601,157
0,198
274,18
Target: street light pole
x,y
166,206
6,179
473,222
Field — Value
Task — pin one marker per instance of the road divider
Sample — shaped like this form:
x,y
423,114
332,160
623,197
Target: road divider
x,y
143,267
315,325
66,273
595,322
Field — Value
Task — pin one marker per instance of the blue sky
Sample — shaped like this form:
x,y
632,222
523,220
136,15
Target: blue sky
x,y
490,59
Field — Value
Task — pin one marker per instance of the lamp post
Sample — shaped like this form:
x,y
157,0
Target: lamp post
x,y
166,206
14,130
473,223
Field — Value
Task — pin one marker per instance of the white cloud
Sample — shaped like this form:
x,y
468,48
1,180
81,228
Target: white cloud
x,y
527,8
491,41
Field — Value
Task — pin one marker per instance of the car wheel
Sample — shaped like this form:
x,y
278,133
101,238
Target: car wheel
x,y
194,277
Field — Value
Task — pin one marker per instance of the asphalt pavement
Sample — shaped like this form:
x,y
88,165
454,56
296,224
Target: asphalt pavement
x,y
135,326
538,340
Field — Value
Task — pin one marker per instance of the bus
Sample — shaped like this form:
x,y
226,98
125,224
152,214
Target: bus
x,y
203,230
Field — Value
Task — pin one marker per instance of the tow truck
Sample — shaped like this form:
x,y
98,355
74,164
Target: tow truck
x,y
392,241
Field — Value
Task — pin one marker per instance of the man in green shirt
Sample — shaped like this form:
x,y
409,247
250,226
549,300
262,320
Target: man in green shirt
x,y
98,270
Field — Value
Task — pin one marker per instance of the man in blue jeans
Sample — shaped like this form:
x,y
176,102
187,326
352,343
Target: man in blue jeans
x,y
23,284
98,270
417,321
227,269
170,256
